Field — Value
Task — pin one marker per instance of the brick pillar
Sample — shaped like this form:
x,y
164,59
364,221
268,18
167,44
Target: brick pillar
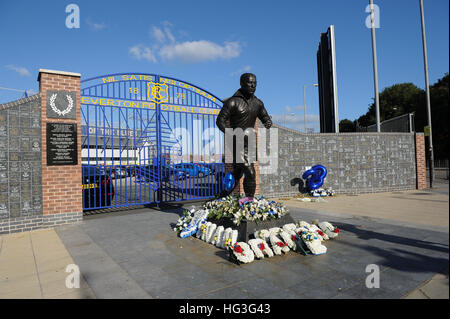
x,y
239,189
61,184
421,169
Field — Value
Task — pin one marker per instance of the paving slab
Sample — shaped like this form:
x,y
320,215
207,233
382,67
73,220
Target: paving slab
x,y
33,266
135,254
142,247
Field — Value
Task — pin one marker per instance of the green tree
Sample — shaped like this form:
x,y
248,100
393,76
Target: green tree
x,y
439,95
346,126
404,98
395,100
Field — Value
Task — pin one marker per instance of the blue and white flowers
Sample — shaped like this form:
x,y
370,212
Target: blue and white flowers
x,y
259,209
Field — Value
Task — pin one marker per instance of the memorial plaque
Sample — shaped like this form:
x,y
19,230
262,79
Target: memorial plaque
x,y
62,144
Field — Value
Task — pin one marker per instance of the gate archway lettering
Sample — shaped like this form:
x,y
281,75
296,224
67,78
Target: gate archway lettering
x,y
148,139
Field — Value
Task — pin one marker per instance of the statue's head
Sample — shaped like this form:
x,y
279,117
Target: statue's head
x,y
248,83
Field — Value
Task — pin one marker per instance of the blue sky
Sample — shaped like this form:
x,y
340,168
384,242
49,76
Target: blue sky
x,y
210,43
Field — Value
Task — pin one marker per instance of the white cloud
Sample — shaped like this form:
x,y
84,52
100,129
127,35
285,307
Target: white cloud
x,y
21,70
297,121
95,26
141,52
169,35
167,48
161,35
290,109
158,34
241,71
199,51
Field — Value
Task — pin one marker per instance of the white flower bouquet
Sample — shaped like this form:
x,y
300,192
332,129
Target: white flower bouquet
x,y
205,231
262,234
278,245
289,238
258,210
289,227
184,220
222,207
322,236
201,229
260,248
329,230
243,252
313,243
229,237
218,237
210,231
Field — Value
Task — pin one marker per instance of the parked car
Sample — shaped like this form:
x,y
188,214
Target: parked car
x,y
117,172
214,168
192,169
98,191
178,173
203,169
129,170
146,173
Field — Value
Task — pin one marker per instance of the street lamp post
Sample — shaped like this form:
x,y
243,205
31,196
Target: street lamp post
x,y
425,59
285,117
304,104
375,67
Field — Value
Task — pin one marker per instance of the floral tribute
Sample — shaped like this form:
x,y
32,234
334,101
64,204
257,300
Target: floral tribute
x,y
329,230
266,242
260,248
184,220
259,209
278,245
243,252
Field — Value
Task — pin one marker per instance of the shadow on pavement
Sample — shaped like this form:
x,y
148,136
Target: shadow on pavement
x,y
425,256
368,234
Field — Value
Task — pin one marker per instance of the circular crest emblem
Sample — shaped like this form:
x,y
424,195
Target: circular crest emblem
x,y
57,110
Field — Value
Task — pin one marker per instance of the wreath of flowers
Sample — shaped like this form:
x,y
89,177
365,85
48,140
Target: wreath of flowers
x,y
260,248
304,224
262,234
289,227
210,231
188,223
313,243
230,237
201,229
243,252
329,229
289,238
275,230
58,111
320,234
281,239
308,236
184,220
205,231
218,236
278,245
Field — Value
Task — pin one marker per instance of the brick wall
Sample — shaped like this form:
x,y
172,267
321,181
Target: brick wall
x,y
356,162
20,159
62,184
421,169
32,194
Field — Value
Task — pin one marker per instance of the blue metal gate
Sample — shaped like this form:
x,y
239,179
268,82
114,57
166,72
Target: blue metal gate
x,y
148,139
